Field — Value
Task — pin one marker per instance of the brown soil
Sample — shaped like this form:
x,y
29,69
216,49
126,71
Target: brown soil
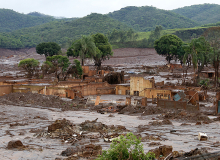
x,y
32,100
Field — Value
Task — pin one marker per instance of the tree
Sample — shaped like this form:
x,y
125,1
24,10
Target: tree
x,y
60,65
128,147
103,50
84,47
156,34
168,46
47,68
197,50
76,69
31,65
212,36
48,48
180,54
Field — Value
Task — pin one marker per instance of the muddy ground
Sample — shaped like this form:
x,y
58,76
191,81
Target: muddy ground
x,y
53,128
47,131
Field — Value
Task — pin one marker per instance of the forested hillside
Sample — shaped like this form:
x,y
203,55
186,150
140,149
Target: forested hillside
x,y
202,14
122,27
61,31
147,18
11,20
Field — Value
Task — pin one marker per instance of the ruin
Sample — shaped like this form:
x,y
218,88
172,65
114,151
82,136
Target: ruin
x,y
155,101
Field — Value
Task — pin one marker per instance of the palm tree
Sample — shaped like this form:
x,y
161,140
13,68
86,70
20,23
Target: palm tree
x,y
85,47
196,50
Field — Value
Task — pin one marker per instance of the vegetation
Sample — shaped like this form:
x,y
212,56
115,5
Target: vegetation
x,y
48,49
168,45
60,65
30,65
84,48
212,36
197,52
77,70
128,147
146,18
121,27
11,20
202,13
62,32
103,49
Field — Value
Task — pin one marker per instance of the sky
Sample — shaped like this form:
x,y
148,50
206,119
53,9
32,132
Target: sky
x,y
81,8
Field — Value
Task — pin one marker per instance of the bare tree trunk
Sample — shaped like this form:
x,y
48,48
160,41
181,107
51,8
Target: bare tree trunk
x,y
82,62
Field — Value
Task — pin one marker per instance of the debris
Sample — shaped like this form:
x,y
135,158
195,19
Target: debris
x,y
85,151
154,144
15,144
162,150
202,136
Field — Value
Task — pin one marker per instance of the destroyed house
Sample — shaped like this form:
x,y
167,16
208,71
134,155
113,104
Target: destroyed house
x,y
139,84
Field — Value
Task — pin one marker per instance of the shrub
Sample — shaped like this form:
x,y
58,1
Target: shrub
x,y
124,148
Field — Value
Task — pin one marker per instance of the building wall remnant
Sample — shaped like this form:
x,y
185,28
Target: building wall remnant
x,y
128,101
144,101
207,74
138,84
193,96
164,93
177,105
95,88
122,89
6,89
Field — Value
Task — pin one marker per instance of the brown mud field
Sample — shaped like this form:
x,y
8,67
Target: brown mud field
x,y
35,126
47,131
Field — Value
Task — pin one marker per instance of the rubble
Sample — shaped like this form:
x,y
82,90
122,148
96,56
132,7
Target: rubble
x,y
90,151
162,151
84,136
15,144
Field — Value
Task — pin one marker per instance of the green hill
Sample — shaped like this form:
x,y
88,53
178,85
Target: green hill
x,y
11,20
202,14
37,14
61,31
146,18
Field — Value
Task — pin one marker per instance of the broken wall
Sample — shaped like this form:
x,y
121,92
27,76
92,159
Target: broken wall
x,y
164,93
95,88
122,90
6,89
177,105
138,84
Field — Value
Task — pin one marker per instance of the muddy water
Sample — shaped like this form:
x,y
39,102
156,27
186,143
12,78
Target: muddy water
x,y
17,122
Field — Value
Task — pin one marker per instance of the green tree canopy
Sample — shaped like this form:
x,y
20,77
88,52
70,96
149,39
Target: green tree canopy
x,y
212,36
76,69
197,50
30,65
48,48
60,65
168,46
103,50
84,48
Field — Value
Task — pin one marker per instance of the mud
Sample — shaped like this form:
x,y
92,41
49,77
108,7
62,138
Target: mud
x,y
38,100
35,126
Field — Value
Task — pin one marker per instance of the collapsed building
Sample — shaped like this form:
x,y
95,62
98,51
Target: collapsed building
x,y
104,82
